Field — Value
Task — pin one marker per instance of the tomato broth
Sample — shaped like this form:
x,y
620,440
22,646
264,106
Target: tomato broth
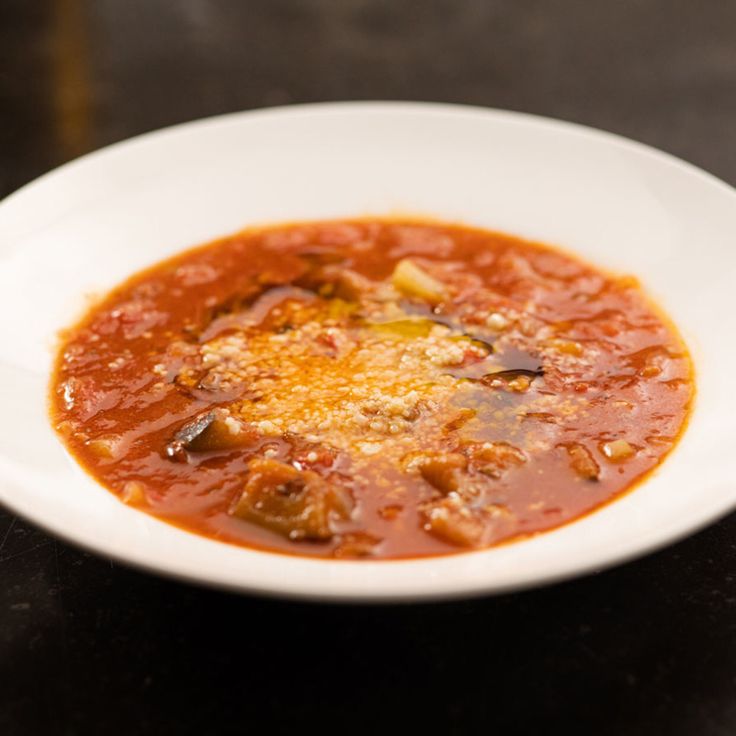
x,y
371,388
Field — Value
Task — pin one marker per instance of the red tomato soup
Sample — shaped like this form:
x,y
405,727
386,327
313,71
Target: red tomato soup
x,y
371,389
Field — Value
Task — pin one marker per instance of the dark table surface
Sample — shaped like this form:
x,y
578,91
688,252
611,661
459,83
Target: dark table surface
x,y
88,646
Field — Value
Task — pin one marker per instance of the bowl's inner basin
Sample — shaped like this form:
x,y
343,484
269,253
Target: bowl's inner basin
x,y
371,388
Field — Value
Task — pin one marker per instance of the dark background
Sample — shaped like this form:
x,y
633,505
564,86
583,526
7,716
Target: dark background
x,y
87,646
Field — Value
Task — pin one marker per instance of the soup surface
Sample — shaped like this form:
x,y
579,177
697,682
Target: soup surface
x,y
371,389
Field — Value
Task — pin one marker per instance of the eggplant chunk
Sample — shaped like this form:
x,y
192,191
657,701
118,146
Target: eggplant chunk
x,y
299,504
516,379
444,471
494,458
583,462
457,522
186,438
333,281
357,544
209,432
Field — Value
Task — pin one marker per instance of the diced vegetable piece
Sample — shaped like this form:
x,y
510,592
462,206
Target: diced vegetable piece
x,y
494,458
224,433
105,447
210,432
617,450
351,286
566,347
188,435
455,524
517,380
454,521
583,462
405,328
357,544
443,470
134,493
298,504
336,282
411,280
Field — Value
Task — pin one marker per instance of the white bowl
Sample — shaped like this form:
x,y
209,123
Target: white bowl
x,y
84,227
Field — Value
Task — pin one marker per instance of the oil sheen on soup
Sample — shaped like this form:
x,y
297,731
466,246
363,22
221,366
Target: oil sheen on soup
x,y
371,389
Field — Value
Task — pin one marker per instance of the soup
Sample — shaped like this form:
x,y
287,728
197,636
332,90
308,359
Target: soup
x,y
371,389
